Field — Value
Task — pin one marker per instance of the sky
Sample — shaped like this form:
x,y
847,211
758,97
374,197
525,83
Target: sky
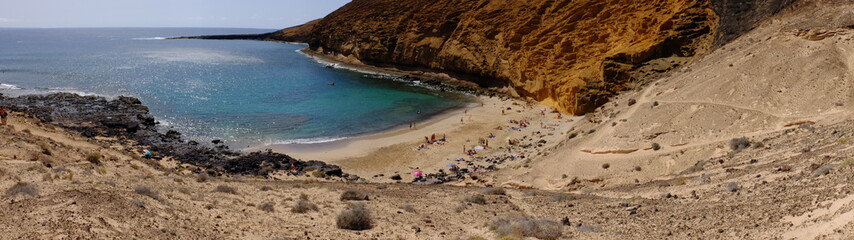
x,y
272,14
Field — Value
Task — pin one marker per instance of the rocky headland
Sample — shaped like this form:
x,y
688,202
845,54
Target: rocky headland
x,y
128,121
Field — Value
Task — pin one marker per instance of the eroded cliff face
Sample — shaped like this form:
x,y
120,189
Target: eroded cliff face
x,y
571,54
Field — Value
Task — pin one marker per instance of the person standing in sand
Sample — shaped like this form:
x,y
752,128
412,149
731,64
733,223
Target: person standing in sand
x,y
4,114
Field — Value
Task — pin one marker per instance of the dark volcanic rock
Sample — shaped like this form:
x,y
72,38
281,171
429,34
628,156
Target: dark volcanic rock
x,y
127,118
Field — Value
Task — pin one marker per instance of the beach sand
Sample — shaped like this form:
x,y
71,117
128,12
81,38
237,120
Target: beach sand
x,y
377,157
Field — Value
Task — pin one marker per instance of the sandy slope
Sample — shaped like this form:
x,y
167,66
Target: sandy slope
x,y
795,68
793,185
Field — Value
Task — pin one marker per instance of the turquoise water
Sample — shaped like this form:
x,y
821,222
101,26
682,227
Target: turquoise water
x,y
244,92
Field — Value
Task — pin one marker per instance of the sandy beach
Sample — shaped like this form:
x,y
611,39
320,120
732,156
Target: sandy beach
x,y
381,155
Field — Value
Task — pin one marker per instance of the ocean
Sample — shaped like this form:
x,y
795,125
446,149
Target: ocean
x,y
247,93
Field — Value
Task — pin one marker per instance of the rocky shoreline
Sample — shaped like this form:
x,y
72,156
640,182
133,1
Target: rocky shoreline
x,y
127,119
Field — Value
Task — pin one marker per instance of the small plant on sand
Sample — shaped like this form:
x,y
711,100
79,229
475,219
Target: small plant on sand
x,y
318,174
493,191
94,158
22,188
146,191
225,189
606,165
562,197
409,208
266,188
656,147
138,202
476,199
267,207
679,181
45,148
522,227
353,195
632,102
738,144
460,207
732,187
845,164
355,217
47,161
303,206
843,140
203,177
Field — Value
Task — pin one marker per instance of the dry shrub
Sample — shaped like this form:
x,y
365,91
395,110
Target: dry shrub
x,y
738,144
22,188
138,202
225,189
409,208
523,227
266,188
476,199
267,207
45,148
354,195
493,191
204,177
562,197
146,191
460,207
94,158
356,217
303,206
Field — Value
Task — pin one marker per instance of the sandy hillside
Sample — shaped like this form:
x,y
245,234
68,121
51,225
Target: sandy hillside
x,y
793,69
790,183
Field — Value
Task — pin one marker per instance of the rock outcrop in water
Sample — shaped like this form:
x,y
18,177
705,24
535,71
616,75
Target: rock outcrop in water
x,y
573,55
127,118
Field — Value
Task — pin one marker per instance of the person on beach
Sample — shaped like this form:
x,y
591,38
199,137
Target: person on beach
x,y
4,114
427,140
443,138
433,138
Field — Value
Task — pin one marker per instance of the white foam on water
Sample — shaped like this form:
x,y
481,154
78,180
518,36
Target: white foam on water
x,y
150,38
200,56
15,91
307,141
4,86
337,65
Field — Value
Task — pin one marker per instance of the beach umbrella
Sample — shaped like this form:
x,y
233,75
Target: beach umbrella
x,y
451,164
478,147
417,174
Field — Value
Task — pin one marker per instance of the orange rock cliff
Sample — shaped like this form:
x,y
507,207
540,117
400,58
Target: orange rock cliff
x,y
570,54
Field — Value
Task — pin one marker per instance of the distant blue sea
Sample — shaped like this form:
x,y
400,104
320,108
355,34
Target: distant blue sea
x,y
244,92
